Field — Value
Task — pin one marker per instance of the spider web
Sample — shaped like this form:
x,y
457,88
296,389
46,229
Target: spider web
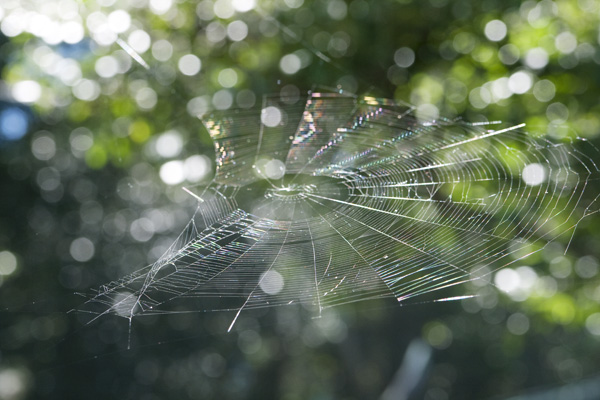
x,y
334,198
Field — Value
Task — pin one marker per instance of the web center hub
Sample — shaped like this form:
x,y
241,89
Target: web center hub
x,y
290,192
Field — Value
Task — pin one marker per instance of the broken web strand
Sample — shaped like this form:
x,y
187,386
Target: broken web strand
x,y
134,54
312,243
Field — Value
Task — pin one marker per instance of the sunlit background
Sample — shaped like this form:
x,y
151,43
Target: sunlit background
x,y
100,126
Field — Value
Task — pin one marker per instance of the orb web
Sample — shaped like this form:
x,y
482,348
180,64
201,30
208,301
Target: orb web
x,y
334,198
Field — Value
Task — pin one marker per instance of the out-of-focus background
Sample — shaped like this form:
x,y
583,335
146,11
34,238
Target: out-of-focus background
x,y
99,128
